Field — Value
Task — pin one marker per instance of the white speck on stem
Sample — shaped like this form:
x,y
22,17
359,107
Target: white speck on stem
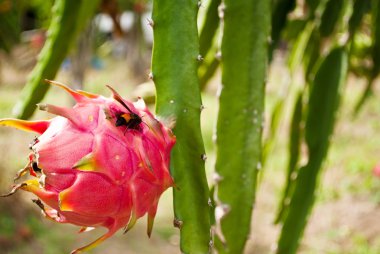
x,y
209,202
219,91
221,10
221,211
171,101
259,166
214,137
218,55
216,177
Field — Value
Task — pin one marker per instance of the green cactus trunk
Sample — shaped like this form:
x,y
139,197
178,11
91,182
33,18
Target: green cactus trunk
x,y
174,72
240,120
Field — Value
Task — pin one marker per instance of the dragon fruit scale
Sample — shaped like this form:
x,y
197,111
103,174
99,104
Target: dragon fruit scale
x,y
104,162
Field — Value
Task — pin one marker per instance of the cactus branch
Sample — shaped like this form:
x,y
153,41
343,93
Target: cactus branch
x,y
239,128
174,68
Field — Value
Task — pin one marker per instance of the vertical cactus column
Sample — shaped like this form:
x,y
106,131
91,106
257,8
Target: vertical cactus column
x,y
174,71
239,127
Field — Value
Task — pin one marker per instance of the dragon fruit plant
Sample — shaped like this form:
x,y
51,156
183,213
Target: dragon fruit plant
x,y
104,162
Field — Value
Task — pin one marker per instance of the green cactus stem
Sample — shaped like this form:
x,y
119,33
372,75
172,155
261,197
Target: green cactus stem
x,y
245,48
174,72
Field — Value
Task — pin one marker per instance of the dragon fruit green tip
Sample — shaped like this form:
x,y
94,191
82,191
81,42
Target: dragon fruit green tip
x,y
104,162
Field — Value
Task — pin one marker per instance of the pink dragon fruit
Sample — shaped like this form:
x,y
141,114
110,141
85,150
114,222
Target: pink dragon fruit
x,y
104,162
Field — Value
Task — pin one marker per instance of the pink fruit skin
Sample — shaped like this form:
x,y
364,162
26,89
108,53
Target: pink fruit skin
x,y
94,173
